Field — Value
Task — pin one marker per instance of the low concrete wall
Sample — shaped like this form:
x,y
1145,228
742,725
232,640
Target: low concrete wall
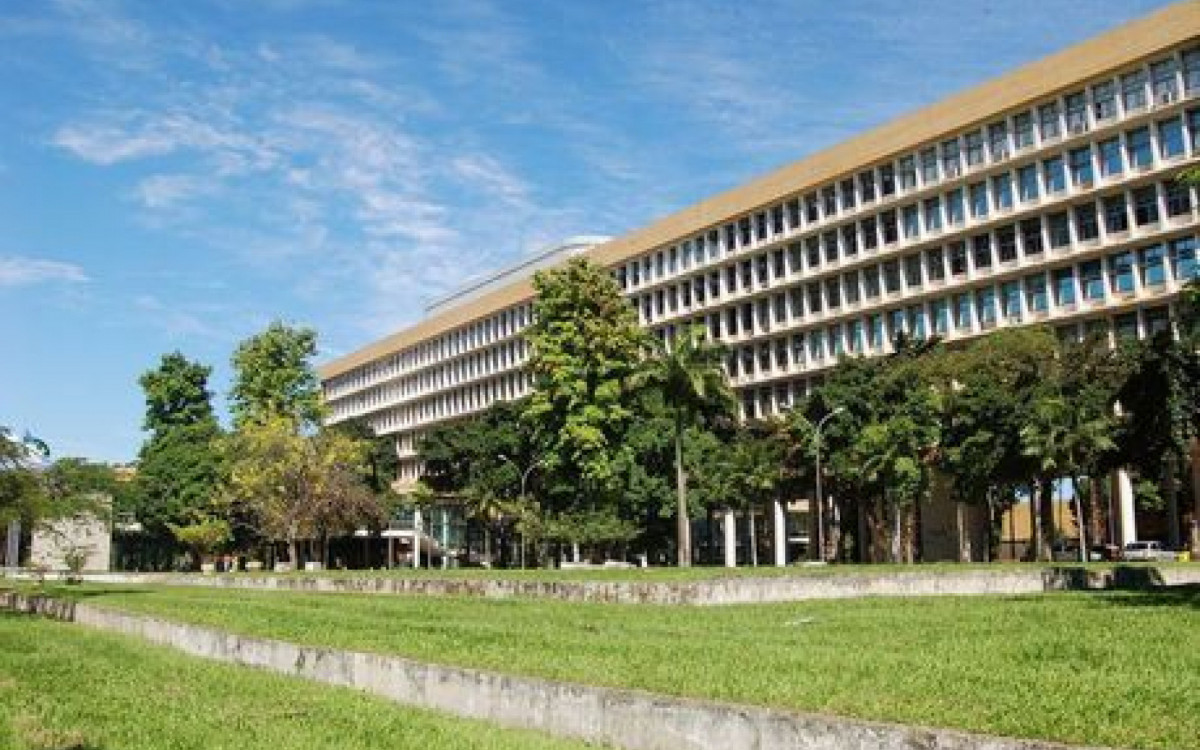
x,y
623,718
732,590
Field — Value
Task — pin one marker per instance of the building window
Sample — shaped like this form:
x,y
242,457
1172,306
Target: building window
x,y
1145,205
777,220
887,180
866,185
1076,110
1179,198
1126,326
1023,130
933,215
850,284
974,142
1002,191
1116,214
1010,300
1031,236
1091,280
871,281
1064,287
1048,121
934,264
1137,146
951,163
812,210
1055,175
985,306
1162,80
1170,138
1006,244
887,226
1191,70
916,322
1183,259
929,166
875,332
939,311
1104,101
891,276
911,221
796,256
955,210
1151,267
1110,157
912,271
979,200
812,248
907,173
850,240
1035,293
1087,223
981,251
1081,167
814,297
898,323
744,231
958,258
998,140
1058,227
1027,183
962,312
833,293
1120,273
870,235
829,241
793,213
1158,320
847,190
1133,91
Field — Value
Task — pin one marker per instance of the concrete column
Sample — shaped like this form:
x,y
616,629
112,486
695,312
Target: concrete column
x,y
780,545
729,526
1126,516
12,552
416,539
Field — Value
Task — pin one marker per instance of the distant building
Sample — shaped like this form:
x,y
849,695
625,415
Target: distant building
x,y
1045,196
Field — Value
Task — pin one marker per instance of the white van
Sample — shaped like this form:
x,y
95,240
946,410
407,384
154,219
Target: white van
x,y
1146,552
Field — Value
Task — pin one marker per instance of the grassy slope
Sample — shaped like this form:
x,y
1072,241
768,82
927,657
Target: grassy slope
x,y
1121,669
63,686
699,573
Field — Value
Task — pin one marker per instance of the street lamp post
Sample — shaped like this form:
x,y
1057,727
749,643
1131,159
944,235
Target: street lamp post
x,y
820,500
524,479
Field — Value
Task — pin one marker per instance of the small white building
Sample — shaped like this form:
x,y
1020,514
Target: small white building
x,y
53,541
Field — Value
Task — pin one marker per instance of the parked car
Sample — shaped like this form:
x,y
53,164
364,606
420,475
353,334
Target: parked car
x,y
1069,552
1146,552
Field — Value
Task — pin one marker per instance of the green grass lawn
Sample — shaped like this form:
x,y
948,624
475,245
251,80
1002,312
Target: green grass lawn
x,y
64,687
695,573
1113,668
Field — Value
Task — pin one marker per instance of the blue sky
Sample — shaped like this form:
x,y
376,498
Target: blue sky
x,y
175,175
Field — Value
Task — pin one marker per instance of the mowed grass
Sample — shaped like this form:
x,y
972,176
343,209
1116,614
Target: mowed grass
x,y
64,687
1119,669
699,573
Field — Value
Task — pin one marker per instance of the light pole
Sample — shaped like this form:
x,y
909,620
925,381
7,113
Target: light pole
x,y
524,479
820,501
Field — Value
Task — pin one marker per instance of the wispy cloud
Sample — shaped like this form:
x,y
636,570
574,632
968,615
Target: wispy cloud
x,y
22,271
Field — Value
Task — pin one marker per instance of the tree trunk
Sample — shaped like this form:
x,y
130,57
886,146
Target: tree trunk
x,y
753,537
1172,493
1080,521
1096,514
896,530
683,522
964,555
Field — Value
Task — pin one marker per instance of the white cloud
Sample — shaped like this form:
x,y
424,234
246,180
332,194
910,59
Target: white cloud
x,y
164,190
19,271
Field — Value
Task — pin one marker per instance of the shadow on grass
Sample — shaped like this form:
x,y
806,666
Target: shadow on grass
x,y
1119,578
1185,596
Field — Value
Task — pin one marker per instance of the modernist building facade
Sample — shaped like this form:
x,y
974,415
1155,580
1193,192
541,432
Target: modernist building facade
x,y
1044,196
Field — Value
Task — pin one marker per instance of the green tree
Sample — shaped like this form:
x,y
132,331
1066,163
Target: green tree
x,y
273,376
296,486
22,493
586,348
689,375
180,467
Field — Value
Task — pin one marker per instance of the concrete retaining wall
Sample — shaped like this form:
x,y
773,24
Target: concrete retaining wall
x,y
731,590
623,718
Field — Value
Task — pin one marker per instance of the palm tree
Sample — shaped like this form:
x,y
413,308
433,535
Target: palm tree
x,y
1067,440
689,376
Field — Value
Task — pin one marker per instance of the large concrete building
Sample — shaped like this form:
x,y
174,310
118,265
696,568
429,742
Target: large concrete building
x,y
1044,196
